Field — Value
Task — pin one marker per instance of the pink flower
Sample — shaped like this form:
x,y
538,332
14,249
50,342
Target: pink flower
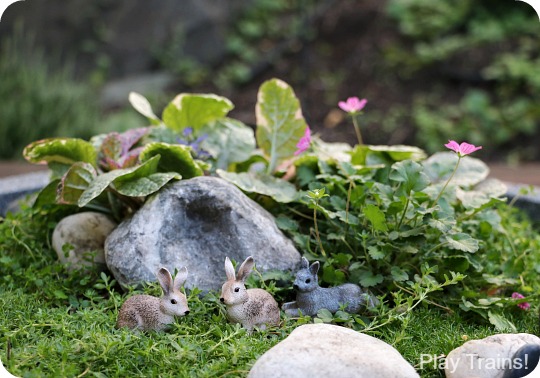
x,y
523,305
463,148
304,142
352,105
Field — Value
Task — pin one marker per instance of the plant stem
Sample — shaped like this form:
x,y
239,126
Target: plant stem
x,y
357,130
404,211
317,228
447,182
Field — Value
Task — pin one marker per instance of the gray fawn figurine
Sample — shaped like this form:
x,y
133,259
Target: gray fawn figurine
x,y
310,297
145,312
249,307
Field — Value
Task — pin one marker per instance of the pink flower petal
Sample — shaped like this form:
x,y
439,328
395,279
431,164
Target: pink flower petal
x,y
462,149
304,142
352,105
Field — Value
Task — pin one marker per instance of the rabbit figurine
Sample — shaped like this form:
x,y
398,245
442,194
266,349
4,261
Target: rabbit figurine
x,y
250,307
145,312
310,297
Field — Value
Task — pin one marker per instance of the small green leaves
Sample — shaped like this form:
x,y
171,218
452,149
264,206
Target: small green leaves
x,y
195,110
376,217
368,279
410,174
317,194
462,242
280,123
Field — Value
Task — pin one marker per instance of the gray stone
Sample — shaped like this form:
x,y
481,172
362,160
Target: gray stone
x,y
85,233
324,350
487,358
530,202
197,223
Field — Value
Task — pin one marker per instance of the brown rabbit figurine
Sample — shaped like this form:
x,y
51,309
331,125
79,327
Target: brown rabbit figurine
x,y
145,312
250,307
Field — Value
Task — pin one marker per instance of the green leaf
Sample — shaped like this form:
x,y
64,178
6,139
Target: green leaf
x,y
368,279
399,274
501,323
47,195
174,158
470,172
325,315
124,178
137,184
410,174
280,190
60,150
76,180
229,141
400,152
482,194
462,242
375,252
376,217
195,110
141,104
280,123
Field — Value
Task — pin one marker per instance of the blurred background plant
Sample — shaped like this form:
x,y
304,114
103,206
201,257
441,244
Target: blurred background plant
x,y
432,71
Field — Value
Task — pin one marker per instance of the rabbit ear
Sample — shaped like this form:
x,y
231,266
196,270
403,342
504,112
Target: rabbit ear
x,y
245,269
229,269
305,263
165,280
180,278
314,268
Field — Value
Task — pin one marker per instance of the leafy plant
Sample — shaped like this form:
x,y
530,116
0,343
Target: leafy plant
x,y
384,217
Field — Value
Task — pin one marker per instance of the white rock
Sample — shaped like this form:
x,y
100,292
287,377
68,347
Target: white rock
x,y
488,357
324,350
86,233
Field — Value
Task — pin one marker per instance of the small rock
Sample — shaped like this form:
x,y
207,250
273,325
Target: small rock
x,y
86,233
324,350
490,357
197,223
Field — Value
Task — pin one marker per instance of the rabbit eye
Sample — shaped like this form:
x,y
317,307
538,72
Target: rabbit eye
x,y
173,301
308,280
236,289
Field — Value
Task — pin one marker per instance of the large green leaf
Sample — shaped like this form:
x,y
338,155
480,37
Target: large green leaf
x,y
76,180
376,217
60,150
410,174
195,110
462,242
482,193
280,190
174,158
229,141
366,154
470,172
135,181
141,104
280,123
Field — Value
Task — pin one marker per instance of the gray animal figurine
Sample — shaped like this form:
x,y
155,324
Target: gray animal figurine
x,y
249,307
145,312
310,297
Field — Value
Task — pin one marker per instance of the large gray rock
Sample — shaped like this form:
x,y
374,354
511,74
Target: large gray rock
x,y
324,350
490,357
197,223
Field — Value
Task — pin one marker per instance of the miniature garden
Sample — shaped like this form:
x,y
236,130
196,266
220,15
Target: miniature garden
x,y
411,251
433,240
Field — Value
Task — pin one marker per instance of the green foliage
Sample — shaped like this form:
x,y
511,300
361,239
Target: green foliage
x,y
384,217
499,106
39,101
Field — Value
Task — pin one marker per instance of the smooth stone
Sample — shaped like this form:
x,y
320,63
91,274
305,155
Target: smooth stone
x,y
197,223
85,233
324,350
490,357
